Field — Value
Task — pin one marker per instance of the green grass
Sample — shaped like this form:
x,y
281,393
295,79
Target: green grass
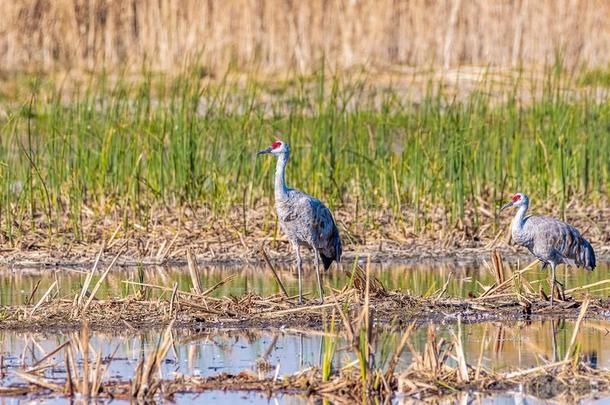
x,y
177,142
595,77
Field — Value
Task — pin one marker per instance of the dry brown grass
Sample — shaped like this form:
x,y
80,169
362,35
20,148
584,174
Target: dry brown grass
x,y
45,34
432,374
215,239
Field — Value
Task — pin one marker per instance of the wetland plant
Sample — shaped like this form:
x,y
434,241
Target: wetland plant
x,y
129,149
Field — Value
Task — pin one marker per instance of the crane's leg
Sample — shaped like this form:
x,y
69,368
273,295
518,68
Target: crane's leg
x,y
297,251
562,290
560,286
554,340
319,277
552,282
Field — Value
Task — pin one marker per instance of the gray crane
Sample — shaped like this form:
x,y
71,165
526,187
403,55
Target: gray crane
x,y
552,241
305,220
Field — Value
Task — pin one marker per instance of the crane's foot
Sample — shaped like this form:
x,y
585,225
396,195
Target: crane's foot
x,y
560,290
557,292
321,292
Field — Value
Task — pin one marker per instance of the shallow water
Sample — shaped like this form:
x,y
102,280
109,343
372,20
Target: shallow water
x,y
16,286
224,397
208,397
507,345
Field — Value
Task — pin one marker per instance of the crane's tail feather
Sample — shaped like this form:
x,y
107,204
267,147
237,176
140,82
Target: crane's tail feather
x,y
334,254
586,255
326,261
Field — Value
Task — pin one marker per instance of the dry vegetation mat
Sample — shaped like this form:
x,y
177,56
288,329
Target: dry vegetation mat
x,y
510,297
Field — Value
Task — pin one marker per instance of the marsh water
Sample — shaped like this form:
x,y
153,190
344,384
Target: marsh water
x,y
16,286
507,345
501,345
228,397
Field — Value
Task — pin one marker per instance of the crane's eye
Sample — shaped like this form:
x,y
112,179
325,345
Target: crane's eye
x,y
516,197
276,144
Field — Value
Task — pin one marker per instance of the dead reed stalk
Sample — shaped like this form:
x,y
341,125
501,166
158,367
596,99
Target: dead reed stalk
x,y
85,288
581,315
147,380
194,271
275,275
44,297
100,281
298,35
88,384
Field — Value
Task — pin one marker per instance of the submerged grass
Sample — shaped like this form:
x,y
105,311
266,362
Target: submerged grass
x,y
121,148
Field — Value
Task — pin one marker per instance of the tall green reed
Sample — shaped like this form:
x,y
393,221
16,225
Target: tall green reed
x,y
161,141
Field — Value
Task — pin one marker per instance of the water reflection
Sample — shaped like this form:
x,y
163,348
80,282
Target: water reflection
x,y
18,287
502,346
464,398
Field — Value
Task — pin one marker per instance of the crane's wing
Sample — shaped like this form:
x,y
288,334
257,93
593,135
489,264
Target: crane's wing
x,y
308,219
326,232
553,238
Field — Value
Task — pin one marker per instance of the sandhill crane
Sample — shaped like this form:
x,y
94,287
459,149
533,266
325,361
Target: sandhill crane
x,y
304,219
552,241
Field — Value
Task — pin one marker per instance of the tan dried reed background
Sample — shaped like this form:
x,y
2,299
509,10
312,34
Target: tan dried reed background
x,y
282,34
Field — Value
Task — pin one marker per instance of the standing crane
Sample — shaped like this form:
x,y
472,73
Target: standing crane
x,y
305,220
552,241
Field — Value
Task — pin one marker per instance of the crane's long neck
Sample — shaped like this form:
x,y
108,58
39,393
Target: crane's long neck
x,y
519,219
280,177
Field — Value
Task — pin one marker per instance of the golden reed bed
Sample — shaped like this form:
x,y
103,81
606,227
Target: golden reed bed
x,y
271,35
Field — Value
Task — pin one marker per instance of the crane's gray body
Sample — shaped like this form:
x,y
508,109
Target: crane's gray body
x,y
305,220
554,241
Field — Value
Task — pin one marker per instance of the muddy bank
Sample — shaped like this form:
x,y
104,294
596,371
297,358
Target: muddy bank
x,y
252,311
509,297
279,252
238,235
392,253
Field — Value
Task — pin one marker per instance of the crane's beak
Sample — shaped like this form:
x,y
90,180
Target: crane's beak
x,y
507,205
265,151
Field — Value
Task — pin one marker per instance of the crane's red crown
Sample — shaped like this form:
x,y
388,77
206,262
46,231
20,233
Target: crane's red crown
x,y
276,144
516,197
